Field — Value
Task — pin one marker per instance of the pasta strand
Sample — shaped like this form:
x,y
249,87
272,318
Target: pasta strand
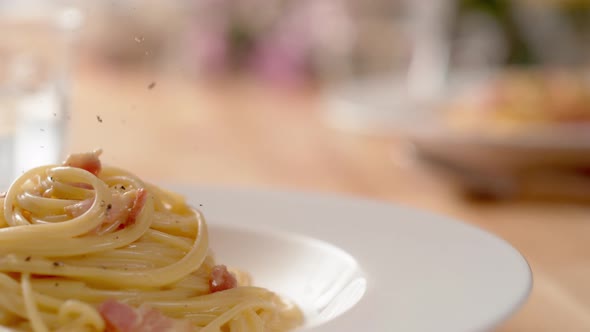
x,y
80,241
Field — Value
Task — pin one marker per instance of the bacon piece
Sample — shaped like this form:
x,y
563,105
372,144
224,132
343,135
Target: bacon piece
x,y
119,209
78,209
88,161
221,279
120,317
136,208
117,213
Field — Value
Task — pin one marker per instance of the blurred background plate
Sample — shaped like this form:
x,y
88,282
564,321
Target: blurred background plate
x,y
518,146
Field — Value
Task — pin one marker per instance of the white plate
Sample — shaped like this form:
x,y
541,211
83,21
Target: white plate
x,y
359,265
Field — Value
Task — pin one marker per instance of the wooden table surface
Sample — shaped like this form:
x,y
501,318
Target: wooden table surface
x,y
245,134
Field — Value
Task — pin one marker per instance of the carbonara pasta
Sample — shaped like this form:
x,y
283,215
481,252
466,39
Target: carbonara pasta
x,y
91,248
522,101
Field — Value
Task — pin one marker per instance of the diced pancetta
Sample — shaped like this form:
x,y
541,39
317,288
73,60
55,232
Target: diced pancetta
x,y
136,208
221,279
120,317
87,161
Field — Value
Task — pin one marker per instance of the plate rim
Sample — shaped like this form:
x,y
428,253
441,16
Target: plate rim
x,y
191,191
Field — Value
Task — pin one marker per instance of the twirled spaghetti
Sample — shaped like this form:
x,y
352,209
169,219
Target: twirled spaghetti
x,y
91,248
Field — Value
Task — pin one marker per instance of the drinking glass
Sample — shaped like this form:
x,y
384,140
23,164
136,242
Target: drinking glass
x,y
35,56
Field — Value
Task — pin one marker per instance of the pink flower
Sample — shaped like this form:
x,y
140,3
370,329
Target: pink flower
x,y
279,63
283,46
211,49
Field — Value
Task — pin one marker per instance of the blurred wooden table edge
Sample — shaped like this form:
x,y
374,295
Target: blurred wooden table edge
x,y
240,134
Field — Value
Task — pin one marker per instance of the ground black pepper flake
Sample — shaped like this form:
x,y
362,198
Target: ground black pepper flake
x,y
57,264
152,85
28,259
200,204
110,206
99,118
117,237
123,187
56,284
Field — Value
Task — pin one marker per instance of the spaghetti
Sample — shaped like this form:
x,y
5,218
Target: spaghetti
x,y
91,248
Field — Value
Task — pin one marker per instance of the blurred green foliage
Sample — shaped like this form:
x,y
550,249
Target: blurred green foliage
x,y
576,13
518,51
